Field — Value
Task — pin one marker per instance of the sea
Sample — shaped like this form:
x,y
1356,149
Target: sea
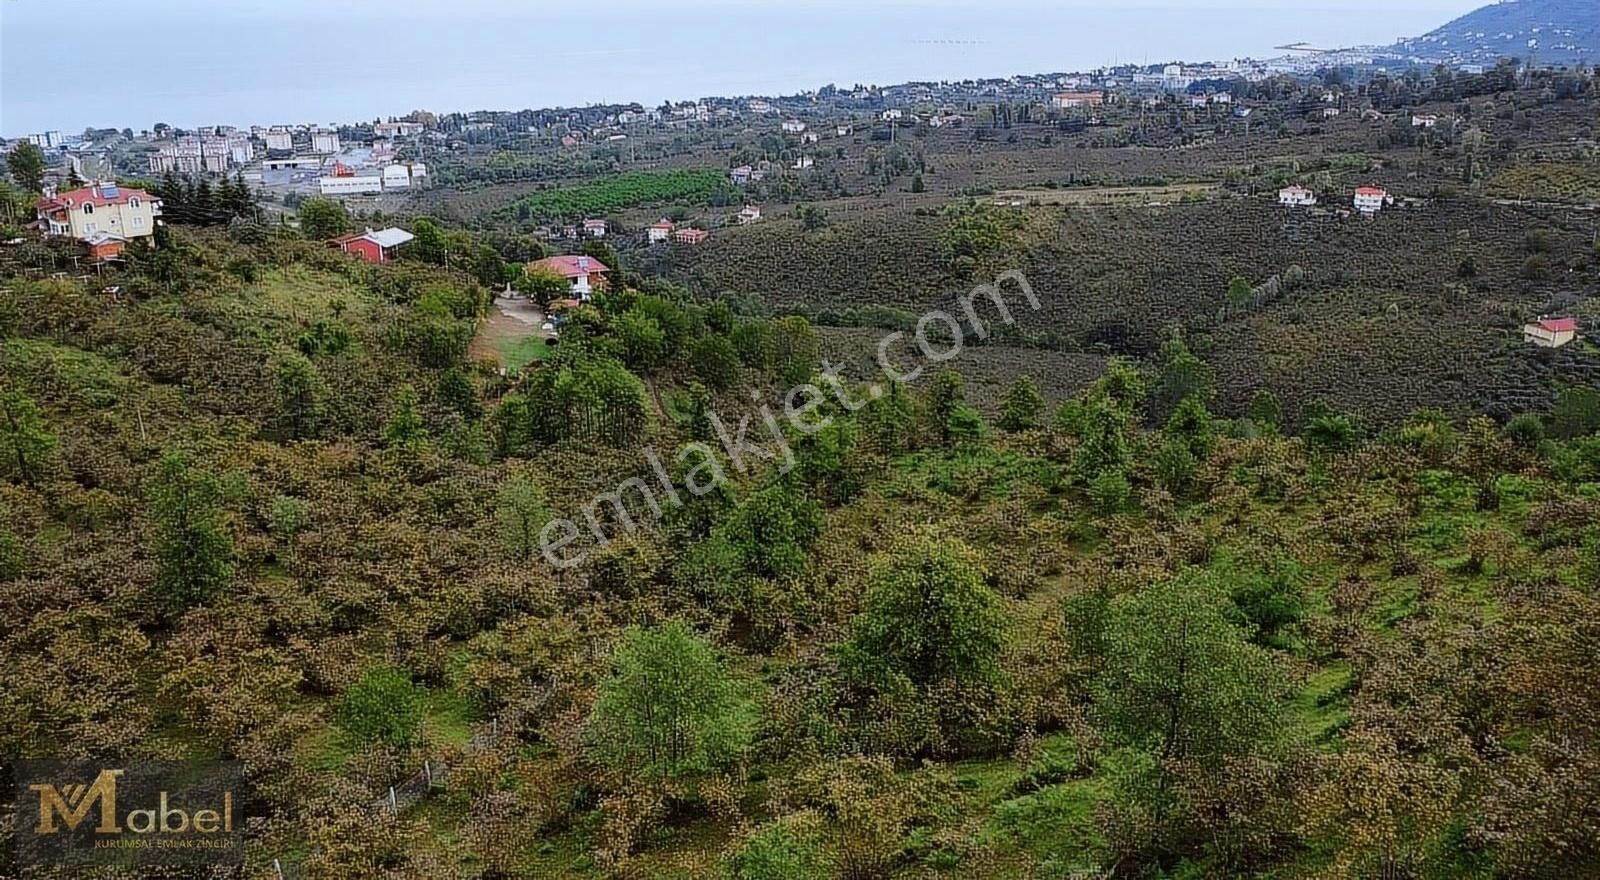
x,y
71,64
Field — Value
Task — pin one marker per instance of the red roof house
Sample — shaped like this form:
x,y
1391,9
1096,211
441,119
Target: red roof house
x,y
691,236
584,274
1551,332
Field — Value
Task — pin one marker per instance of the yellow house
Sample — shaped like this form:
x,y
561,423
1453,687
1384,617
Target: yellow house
x,y
101,208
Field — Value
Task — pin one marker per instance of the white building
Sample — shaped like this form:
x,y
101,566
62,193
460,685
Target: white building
x,y
793,126
1296,197
1550,332
659,232
397,129
1424,120
280,140
350,186
892,115
594,228
324,142
749,215
50,140
1372,199
803,163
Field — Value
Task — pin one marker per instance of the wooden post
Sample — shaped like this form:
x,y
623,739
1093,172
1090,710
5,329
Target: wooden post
x,y
427,770
277,866
393,806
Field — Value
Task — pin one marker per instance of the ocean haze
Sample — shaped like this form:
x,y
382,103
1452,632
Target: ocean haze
x,y
188,63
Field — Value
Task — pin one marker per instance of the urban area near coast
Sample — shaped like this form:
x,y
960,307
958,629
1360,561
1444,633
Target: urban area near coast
x,y
1184,469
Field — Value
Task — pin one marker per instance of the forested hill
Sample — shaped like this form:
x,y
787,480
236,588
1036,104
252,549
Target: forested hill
x,y
1550,32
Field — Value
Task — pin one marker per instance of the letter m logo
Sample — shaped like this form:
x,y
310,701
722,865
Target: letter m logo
x,y
73,803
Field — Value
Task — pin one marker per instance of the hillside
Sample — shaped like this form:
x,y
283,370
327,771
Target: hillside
x,y
1551,32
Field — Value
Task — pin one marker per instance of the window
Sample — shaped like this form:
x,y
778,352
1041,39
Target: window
x,y
88,229
138,222
133,202
88,208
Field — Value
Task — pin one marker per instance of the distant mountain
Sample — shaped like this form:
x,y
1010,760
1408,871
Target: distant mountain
x,y
1550,32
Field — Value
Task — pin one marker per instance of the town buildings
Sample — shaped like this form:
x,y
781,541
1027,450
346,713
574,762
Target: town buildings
x,y
690,236
659,232
1072,100
326,142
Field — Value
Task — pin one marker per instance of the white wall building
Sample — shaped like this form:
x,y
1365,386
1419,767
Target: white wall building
x,y
350,186
1372,199
324,142
280,140
1296,197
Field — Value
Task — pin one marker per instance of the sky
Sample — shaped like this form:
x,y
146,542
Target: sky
x,y
68,64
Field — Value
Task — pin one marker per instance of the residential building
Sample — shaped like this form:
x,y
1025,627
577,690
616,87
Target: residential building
x,y
1424,120
594,228
843,131
749,215
1330,112
1072,100
892,115
804,163
280,140
659,232
201,155
744,174
944,120
583,274
374,247
325,142
1296,197
691,236
50,140
397,129
1551,332
103,207
793,126
1372,199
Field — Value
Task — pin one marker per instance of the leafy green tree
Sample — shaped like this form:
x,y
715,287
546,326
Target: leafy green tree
x,y
1332,432
1182,679
1183,375
301,394
1266,412
889,421
456,391
26,444
194,553
668,708
404,428
543,286
26,164
716,362
1103,439
797,350
928,617
771,532
384,706
787,849
950,418
1576,414
1021,405
1191,425
1526,431
644,345
522,512
429,244
322,219
1239,290
13,557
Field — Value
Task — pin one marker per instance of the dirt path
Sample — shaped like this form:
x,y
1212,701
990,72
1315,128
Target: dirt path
x,y
504,336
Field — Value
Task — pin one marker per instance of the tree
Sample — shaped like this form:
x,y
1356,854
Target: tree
x,y
456,391
1181,679
322,219
543,286
301,393
1266,412
1239,290
668,708
26,443
1576,414
716,361
384,706
950,418
1021,405
26,164
404,428
429,244
521,509
194,554
928,616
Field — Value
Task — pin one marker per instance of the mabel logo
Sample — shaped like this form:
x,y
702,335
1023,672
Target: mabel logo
x,y
150,812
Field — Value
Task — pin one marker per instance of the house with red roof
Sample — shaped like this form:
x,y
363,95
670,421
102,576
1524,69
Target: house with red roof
x,y
1372,199
374,247
583,274
104,207
691,236
1550,332
660,231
